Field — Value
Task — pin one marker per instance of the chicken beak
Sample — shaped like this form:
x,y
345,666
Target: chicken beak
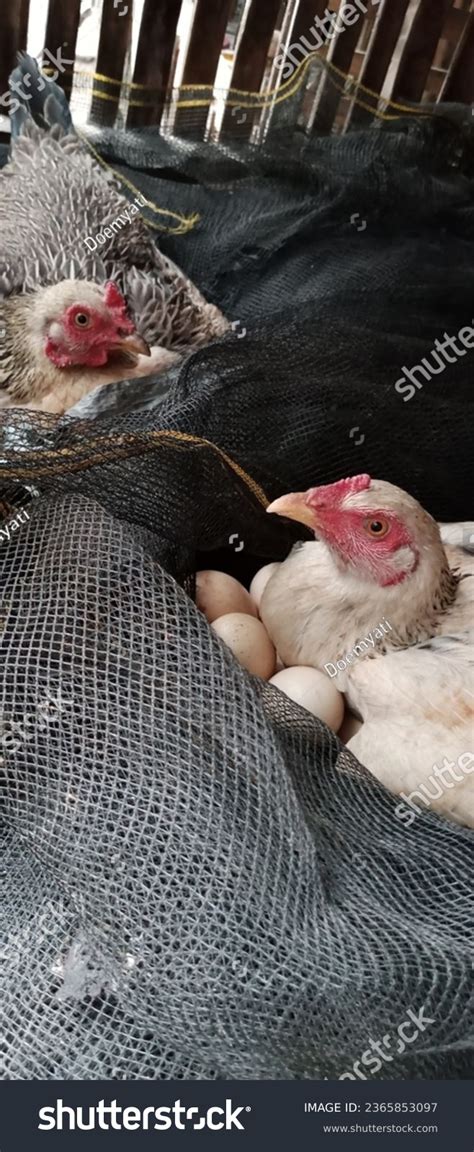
x,y
294,507
135,344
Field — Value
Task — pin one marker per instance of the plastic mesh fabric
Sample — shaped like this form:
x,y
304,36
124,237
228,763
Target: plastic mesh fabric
x,y
199,880
331,314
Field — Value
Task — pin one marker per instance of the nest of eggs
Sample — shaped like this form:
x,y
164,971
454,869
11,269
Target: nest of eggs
x,y
233,613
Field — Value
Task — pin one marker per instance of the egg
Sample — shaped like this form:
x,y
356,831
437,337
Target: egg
x,y
218,594
350,725
260,581
249,641
313,690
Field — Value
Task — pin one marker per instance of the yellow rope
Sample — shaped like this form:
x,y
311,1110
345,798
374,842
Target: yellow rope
x,y
109,449
258,99
375,95
186,223
259,102
350,86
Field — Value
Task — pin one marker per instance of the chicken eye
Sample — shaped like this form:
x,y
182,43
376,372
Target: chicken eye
x,y
82,319
377,527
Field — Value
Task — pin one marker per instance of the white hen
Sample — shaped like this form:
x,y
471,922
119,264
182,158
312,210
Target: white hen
x,y
379,557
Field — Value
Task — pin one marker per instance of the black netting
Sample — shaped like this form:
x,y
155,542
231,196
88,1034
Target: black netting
x,y
200,880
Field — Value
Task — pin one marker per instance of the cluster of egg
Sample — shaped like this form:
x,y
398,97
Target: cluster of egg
x,y
233,614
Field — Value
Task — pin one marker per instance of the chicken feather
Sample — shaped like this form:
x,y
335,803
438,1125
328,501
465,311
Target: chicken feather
x,y
414,691
53,195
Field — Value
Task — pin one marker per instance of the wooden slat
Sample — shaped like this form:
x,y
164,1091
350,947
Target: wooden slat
x,y
114,42
306,14
452,33
207,38
419,50
13,23
250,62
357,64
455,23
381,47
459,83
340,54
61,33
24,11
303,33
294,26
434,85
154,57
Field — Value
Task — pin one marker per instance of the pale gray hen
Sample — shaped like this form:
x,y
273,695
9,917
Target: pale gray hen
x,y
64,328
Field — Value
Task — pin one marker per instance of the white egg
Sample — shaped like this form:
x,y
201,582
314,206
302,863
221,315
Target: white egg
x,y
350,725
217,594
249,642
313,690
260,581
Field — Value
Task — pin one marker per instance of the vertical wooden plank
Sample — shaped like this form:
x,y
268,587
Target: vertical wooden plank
x,y
380,49
114,42
340,53
154,57
250,62
417,55
207,38
459,83
451,35
61,35
300,42
24,11
13,25
307,12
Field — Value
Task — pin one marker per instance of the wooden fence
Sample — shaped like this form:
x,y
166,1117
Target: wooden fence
x,y
398,50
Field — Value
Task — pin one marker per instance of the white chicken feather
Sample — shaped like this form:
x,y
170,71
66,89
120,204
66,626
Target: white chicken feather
x,y
380,556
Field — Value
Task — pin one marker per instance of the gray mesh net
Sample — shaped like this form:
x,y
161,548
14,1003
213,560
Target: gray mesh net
x,y
199,880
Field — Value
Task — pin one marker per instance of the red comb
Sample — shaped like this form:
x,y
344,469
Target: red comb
x,y
114,300
113,296
341,488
